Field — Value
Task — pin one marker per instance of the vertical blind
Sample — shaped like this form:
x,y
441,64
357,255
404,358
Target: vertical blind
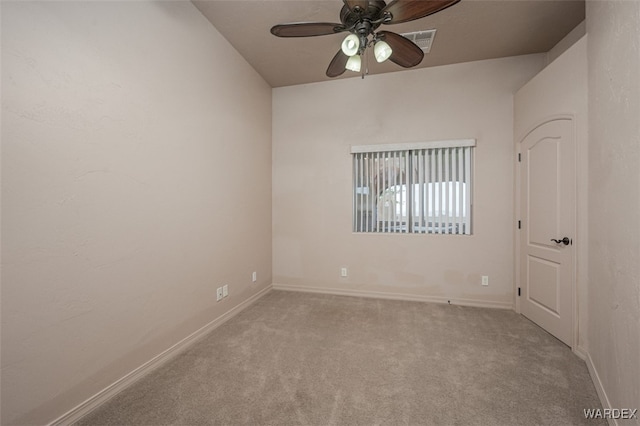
x,y
416,188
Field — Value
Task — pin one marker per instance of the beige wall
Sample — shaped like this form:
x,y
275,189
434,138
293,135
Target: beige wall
x,y
136,178
118,122
569,40
313,128
559,89
613,29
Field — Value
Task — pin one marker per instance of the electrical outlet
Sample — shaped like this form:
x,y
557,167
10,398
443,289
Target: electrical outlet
x,y
254,277
343,272
225,290
219,295
485,280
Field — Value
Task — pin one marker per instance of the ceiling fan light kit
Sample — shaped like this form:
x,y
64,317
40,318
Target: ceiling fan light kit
x,y
382,51
351,45
354,63
362,18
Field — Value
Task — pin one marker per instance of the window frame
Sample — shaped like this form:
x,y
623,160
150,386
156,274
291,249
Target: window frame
x,y
407,155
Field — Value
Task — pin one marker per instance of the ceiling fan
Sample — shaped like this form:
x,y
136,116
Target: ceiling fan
x,y
361,18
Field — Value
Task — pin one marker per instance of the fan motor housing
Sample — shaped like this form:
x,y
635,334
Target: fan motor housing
x,y
350,17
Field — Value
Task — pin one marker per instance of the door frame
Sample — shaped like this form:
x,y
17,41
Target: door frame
x,y
518,205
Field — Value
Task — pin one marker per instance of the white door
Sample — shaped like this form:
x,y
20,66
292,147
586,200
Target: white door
x,y
548,213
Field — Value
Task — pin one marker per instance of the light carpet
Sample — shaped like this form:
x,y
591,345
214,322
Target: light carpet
x,y
308,359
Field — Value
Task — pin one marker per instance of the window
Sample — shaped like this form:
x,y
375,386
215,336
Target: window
x,y
413,188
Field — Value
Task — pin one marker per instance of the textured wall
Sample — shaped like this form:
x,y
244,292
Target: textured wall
x,y
569,40
314,126
561,88
613,29
136,178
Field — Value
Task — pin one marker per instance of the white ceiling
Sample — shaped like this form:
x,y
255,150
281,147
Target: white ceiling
x,y
468,31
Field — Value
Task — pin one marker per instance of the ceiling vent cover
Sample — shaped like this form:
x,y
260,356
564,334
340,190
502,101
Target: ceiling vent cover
x,y
424,39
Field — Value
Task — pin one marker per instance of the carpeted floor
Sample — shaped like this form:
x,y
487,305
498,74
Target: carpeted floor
x,y
308,359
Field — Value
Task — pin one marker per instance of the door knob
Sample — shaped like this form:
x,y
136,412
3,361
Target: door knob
x,y
566,241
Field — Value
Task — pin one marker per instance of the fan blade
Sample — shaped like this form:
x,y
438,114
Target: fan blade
x,y
362,4
405,52
408,10
306,29
337,65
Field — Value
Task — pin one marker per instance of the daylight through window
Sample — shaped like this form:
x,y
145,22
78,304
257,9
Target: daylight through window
x,y
413,188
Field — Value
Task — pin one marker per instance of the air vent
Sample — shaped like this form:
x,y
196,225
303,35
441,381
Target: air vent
x,y
424,39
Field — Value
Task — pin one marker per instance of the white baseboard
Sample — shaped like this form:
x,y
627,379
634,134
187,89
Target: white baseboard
x,y
112,390
604,399
394,296
580,352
